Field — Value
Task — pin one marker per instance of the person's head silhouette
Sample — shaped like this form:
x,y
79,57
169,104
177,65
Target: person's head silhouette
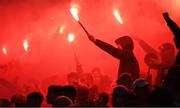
x,y
125,43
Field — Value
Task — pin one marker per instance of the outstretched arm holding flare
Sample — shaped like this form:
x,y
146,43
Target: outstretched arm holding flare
x,y
115,52
124,53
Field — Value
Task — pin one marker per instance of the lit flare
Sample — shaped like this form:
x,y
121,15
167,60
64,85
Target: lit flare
x,y
25,45
61,29
71,37
4,51
117,16
74,12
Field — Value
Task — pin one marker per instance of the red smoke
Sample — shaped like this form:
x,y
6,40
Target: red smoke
x,y
52,55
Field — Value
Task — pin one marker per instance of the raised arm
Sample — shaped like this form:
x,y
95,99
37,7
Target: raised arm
x,y
176,31
172,25
115,52
145,46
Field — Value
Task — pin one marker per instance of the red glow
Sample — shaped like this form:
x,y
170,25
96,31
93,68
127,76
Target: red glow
x,y
25,45
71,37
46,49
61,29
4,51
74,11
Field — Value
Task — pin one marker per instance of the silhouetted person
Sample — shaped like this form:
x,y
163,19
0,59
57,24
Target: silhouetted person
x,y
73,79
142,91
120,95
172,79
101,80
34,99
176,31
126,80
62,101
102,100
4,103
172,82
151,59
124,53
161,98
18,100
86,80
53,92
160,60
82,96
68,91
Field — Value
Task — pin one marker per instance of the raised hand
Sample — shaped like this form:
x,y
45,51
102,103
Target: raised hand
x,y
91,38
166,16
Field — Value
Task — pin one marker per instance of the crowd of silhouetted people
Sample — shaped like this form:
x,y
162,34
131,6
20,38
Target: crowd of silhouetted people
x,y
96,90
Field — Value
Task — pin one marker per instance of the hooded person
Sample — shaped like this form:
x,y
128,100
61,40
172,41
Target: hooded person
x,y
124,53
176,32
